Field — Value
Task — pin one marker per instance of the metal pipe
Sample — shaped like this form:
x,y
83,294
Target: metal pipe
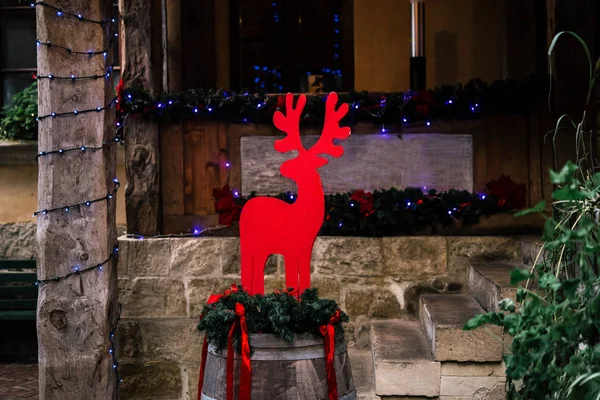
x,y
417,11
417,60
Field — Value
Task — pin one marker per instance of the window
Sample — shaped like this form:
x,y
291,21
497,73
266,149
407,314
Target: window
x,y
19,63
18,49
287,45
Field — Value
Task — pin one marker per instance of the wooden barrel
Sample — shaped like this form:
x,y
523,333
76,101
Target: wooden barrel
x,y
282,370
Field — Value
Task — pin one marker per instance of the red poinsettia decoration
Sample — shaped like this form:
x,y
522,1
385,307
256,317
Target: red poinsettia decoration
x,y
228,211
119,107
365,200
423,100
510,194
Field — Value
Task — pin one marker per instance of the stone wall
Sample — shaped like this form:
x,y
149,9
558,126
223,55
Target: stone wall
x,y
17,241
164,283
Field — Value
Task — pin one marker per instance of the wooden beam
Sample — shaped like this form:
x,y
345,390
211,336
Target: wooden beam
x,y
75,315
174,55
142,150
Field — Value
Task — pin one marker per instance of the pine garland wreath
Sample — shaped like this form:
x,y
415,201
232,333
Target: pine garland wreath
x,y
384,212
460,102
280,313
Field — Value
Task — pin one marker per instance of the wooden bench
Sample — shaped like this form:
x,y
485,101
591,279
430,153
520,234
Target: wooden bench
x,y
18,292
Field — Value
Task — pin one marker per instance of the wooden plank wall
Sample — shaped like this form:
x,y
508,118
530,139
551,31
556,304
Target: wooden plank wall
x,y
194,156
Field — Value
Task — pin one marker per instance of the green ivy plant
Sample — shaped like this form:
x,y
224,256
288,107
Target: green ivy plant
x,y
17,119
555,322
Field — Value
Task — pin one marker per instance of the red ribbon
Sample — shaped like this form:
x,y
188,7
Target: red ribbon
x,y
211,300
328,331
246,368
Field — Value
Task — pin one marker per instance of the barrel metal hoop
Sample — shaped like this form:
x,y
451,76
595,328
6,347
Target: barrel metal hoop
x,y
287,354
348,396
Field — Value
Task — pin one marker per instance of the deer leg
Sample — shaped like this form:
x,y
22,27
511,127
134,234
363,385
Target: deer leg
x,y
247,268
291,271
304,271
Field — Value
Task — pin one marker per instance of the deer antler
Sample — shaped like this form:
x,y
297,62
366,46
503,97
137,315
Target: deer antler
x,y
332,129
290,124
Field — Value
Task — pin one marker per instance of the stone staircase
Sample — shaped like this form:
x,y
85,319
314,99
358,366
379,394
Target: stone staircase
x,y
433,357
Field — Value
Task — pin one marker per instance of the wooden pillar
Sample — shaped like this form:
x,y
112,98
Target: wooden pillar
x,y
76,315
141,68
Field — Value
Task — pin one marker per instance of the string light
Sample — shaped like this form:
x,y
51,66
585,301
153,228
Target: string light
x,y
111,349
77,270
84,203
76,112
60,12
69,50
76,78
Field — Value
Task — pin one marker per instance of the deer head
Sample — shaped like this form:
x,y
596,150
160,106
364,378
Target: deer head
x,y
290,124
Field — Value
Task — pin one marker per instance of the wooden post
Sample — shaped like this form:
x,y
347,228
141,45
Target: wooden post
x,y
76,315
142,152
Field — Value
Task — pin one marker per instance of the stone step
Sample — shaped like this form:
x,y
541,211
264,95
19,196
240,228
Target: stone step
x,y
402,359
443,317
363,373
489,282
530,248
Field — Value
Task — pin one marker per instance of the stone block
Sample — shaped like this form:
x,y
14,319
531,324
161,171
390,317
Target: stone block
x,y
475,387
413,257
174,339
373,302
152,298
443,317
130,339
329,288
200,289
148,257
530,248
362,372
192,371
122,268
196,257
150,380
490,282
403,362
356,256
465,249
450,368
273,283
18,241
230,253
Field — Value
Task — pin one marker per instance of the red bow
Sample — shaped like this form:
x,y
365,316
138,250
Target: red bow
x,y
246,368
328,331
246,375
289,291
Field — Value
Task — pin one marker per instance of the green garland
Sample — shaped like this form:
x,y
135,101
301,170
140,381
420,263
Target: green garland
x,y
469,101
391,212
278,313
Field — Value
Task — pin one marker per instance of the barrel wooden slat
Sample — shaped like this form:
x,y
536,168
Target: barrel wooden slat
x,y
279,372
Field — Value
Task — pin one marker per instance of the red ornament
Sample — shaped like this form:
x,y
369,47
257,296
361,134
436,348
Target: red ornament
x,y
271,226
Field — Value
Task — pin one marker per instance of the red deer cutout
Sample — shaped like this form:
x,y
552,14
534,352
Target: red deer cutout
x,y
271,226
